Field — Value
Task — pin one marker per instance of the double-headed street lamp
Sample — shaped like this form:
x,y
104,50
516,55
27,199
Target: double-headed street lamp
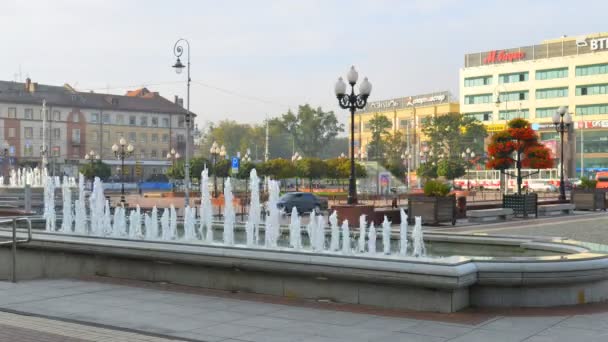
x,y
173,156
562,121
467,156
215,151
122,151
178,50
352,102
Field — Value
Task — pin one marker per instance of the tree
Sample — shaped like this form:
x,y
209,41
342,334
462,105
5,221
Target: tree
x,y
197,164
278,168
311,168
245,170
451,168
378,125
222,168
335,147
176,171
311,129
427,170
96,169
518,145
451,134
339,169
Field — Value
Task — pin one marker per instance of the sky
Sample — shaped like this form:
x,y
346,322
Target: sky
x,y
256,59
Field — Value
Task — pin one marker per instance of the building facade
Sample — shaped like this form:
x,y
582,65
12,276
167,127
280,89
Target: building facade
x,y
533,81
407,115
79,122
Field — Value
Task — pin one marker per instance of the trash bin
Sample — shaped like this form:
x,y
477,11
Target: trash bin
x,y
461,207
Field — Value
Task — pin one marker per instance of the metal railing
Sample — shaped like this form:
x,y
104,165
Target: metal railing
x,y
14,241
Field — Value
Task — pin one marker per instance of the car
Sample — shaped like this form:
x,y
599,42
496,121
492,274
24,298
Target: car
x,y
304,202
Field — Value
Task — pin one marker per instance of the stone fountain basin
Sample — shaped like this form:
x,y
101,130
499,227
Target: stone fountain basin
x,y
573,274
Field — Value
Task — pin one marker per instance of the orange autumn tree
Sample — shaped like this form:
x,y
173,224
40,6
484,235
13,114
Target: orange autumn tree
x,y
518,146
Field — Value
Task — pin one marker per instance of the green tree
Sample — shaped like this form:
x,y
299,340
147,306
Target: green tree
x,y
278,168
379,126
339,169
245,170
335,147
197,164
311,168
311,129
427,170
222,168
451,134
176,171
96,169
451,168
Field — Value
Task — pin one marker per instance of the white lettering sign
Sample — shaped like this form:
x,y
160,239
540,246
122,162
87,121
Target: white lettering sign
x,y
384,104
598,44
421,100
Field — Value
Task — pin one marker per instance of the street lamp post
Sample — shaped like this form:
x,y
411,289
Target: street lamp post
x,y
296,156
173,156
468,155
178,50
214,151
406,157
92,157
562,121
352,102
122,151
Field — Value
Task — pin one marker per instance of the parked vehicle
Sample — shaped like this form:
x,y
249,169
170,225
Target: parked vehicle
x,y
303,201
602,180
540,186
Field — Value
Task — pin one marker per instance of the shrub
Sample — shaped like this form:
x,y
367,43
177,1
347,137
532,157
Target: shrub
x,y
436,188
587,183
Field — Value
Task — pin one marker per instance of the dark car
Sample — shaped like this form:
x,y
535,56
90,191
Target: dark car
x,y
303,201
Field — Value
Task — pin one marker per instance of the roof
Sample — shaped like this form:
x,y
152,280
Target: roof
x,y
66,96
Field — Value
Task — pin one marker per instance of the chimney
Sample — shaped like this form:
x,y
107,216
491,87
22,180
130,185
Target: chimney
x,y
28,82
176,98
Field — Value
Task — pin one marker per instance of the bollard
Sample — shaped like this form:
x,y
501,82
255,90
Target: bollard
x,y
28,198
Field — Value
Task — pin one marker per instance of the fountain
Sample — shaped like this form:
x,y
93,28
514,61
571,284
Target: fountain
x,y
229,216
447,274
67,220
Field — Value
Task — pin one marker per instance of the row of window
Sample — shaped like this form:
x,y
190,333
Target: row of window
x,y
76,152
548,93
545,112
55,133
547,74
119,119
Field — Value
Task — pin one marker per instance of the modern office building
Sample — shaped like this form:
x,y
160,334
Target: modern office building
x,y
80,122
407,115
533,81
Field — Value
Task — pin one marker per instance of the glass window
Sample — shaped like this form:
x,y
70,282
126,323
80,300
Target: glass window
x,y
29,113
153,154
132,120
106,136
481,116
513,78
476,99
94,136
550,74
132,137
143,121
593,89
75,117
550,93
28,132
514,96
56,115
180,138
12,112
41,132
592,109
11,132
477,81
165,122
154,137
143,137
142,153
28,150
120,119
181,122
163,153
106,119
594,69
512,114
76,135
154,121
56,133
94,117
546,112
56,151
165,138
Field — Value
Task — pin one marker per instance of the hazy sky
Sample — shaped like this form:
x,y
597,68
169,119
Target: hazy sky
x,y
251,59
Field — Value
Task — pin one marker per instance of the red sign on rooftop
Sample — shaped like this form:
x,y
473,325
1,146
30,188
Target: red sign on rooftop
x,y
503,56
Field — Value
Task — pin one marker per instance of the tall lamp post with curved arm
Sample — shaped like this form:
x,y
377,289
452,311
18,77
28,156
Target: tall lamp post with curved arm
x,y
352,102
122,151
178,50
562,121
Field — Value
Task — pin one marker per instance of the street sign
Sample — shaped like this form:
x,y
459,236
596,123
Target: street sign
x,y
235,164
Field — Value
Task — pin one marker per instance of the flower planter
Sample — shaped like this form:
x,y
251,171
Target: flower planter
x,y
433,210
592,199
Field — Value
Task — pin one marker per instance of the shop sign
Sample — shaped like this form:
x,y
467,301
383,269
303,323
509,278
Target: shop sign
x,y
425,99
593,124
540,126
491,128
503,56
388,104
594,43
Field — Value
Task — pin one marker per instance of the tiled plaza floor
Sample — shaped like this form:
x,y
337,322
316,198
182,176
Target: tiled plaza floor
x,y
105,310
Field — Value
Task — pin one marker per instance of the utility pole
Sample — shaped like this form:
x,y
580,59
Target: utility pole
x,y
44,147
266,153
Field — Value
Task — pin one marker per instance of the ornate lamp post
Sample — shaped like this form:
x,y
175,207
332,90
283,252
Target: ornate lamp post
x,y
173,156
468,155
562,121
178,50
214,151
122,151
92,157
296,156
352,102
